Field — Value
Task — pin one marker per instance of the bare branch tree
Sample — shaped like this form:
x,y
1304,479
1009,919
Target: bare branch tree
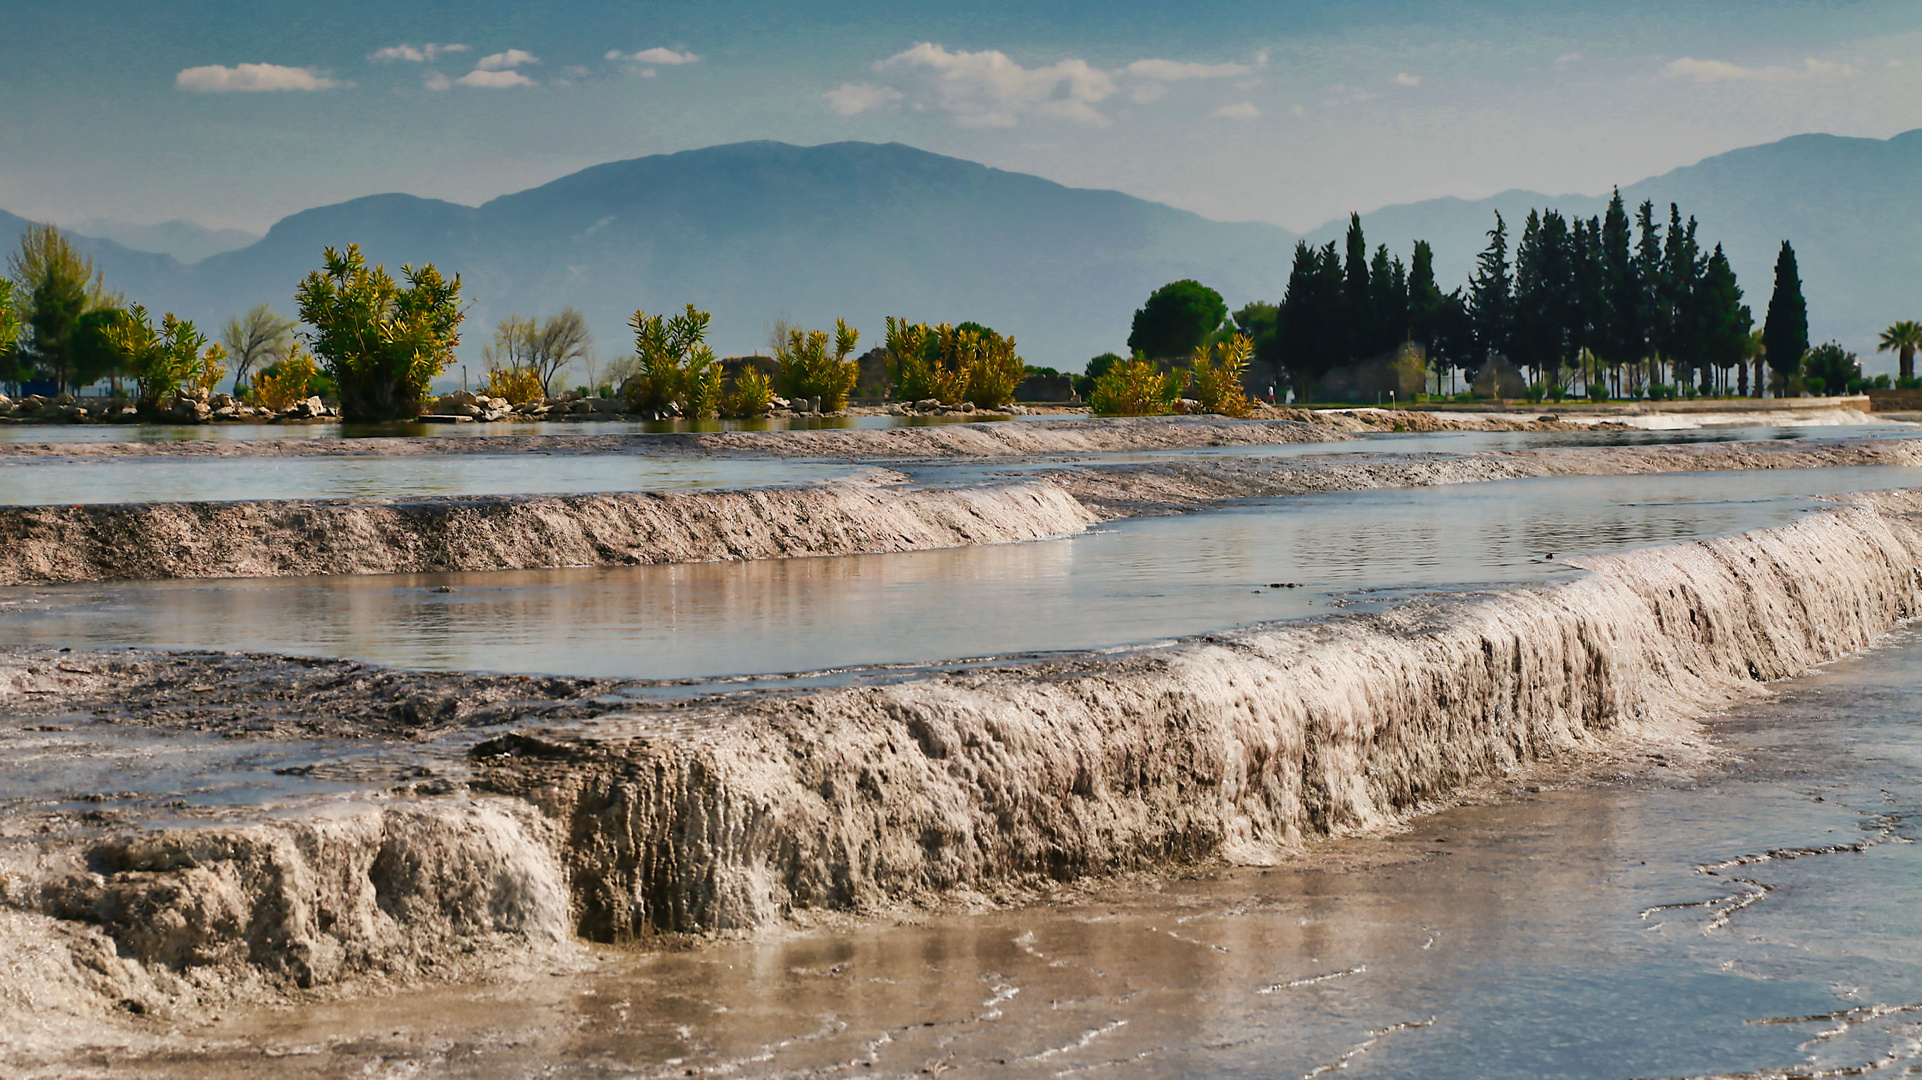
x,y
543,346
258,338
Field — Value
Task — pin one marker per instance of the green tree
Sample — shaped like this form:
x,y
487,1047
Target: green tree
x,y
1491,306
808,369
1178,317
57,286
167,361
1722,320
381,343
9,334
1785,330
91,353
260,338
1618,330
1830,369
1356,315
1902,338
677,369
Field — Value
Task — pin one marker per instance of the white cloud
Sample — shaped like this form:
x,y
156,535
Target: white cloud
x,y
656,56
1713,71
854,98
505,61
495,80
214,79
987,89
1173,70
425,54
1240,110
1405,79
1568,58
435,81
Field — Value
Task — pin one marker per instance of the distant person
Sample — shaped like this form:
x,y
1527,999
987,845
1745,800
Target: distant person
x,y
1271,393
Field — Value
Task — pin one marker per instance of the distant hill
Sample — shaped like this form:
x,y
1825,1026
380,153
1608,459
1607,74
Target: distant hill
x,y
1851,207
187,241
753,231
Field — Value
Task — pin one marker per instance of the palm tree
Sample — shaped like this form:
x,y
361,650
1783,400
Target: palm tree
x,y
1903,338
1754,354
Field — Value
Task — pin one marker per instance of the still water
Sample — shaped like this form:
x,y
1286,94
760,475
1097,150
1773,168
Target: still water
x,y
1585,931
1126,583
161,479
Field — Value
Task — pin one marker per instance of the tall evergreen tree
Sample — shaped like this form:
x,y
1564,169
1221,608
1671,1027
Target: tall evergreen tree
x,y
1648,276
1785,331
1491,296
1722,320
1356,295
1618,329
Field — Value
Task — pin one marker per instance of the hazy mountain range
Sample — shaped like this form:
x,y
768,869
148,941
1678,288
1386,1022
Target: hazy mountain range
x,y
752,231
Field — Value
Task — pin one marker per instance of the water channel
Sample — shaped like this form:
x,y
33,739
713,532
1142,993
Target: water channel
x,y
1124,583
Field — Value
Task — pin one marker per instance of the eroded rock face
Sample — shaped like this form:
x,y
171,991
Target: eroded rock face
x,y
312,900
1238,746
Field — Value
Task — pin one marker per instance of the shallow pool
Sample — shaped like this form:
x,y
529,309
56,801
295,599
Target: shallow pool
x,y
1130,582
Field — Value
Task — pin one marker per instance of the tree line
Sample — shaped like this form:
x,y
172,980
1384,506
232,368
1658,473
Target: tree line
x,y
1623,305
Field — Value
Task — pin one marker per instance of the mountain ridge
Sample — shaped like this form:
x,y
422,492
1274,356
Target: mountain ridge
x,y
759,230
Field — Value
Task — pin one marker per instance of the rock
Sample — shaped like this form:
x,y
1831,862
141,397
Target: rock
x,y
65,399
221,401
928,405
225,412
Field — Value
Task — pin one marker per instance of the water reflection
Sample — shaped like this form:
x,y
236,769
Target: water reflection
x,y
162,479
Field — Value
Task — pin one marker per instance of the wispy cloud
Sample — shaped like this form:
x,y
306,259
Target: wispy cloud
x,y
425,54
655,56
990,89
1714,71
506,61
1240,110
1405,79
487,79
435,81
854,98
987,89
215,79
1175,71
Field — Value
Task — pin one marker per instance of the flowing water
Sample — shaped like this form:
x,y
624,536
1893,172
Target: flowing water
x,y
1130,582
1755,917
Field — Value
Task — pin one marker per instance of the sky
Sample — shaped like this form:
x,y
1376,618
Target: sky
x,y
234,114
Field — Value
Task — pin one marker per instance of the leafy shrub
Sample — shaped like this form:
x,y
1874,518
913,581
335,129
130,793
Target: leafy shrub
x,y
383,344
163,363
915,362
1214,379
517,385
805,368
1137,388
675,367
278,386
953,364
1597,391
1816,385
751,394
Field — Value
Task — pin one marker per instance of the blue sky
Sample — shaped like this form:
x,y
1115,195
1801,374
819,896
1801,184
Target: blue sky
x,y
1291,111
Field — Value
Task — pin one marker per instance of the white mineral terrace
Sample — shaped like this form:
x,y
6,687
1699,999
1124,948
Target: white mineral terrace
x,y
1161,760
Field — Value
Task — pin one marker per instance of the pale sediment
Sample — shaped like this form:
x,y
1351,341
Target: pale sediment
x,y
52,544
279,538
1237,746
738,813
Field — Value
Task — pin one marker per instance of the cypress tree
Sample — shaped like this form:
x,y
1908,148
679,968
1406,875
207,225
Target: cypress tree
x,y
1723,321
1357,297
1785,332
1648,276
1490,296
1618,333
1425,306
